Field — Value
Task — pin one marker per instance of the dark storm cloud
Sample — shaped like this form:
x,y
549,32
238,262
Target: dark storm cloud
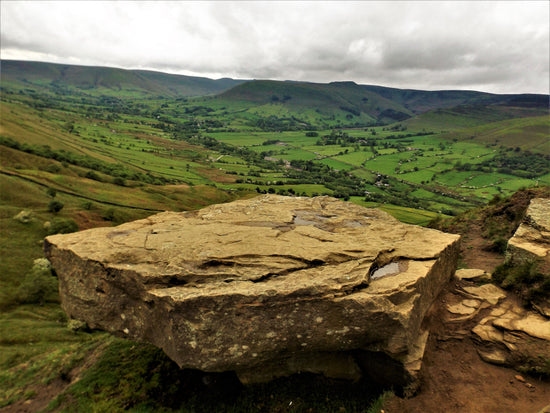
x,y
492,46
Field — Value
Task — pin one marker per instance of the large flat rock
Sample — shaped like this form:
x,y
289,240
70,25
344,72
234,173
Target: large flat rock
x,y
265,287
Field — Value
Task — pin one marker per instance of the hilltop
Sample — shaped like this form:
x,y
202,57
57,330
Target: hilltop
x,y
108,80
376,104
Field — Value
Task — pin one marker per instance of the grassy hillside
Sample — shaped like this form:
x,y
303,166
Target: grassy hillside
x,y
107,80
340,97
360,105
468,116
419,101
530,133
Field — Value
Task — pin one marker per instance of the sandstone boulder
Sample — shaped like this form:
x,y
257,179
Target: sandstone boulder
x,y
265,287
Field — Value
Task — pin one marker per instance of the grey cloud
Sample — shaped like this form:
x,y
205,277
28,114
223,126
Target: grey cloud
x,y
493,46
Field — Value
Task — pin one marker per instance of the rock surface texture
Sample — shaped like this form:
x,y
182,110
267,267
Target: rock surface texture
x,y
513,336
505,333
265,287
531,240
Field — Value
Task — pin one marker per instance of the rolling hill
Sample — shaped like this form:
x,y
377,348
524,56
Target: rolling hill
x,y
346,97
107,80
382,104
420,101
358,103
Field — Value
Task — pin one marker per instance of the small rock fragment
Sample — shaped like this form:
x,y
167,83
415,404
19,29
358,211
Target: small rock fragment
x,y
460,309
495,356
471,303
24,217
472,274
488,292
519,378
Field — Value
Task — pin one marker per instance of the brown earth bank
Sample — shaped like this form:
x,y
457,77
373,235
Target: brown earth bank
x,y
455,379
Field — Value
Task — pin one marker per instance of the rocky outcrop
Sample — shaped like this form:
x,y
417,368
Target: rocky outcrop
x,y
531,241
505,333
513,336
265,287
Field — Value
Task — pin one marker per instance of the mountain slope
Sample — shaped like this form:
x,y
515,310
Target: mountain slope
x,y
386,104
107,80
325,98
352,104
468,116
419,101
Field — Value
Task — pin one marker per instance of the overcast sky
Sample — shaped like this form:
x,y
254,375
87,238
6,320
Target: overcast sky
x,y
499,47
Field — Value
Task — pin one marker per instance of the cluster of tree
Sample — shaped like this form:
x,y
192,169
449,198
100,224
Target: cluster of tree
x,y
519,163
396,127
342,183
338,137
408,135
198,110
274,124
523,164
270,142
284,99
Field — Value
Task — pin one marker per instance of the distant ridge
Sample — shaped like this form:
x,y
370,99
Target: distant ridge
x,y
95,79
367,103
422,100
381,103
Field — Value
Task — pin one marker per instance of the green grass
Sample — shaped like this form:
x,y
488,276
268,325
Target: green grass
x,y
418,177
530,133
141,378
454,178
403,214
296,154
37,348
333,163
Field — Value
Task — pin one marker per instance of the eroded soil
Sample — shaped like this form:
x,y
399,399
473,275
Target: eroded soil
x,y
455,379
